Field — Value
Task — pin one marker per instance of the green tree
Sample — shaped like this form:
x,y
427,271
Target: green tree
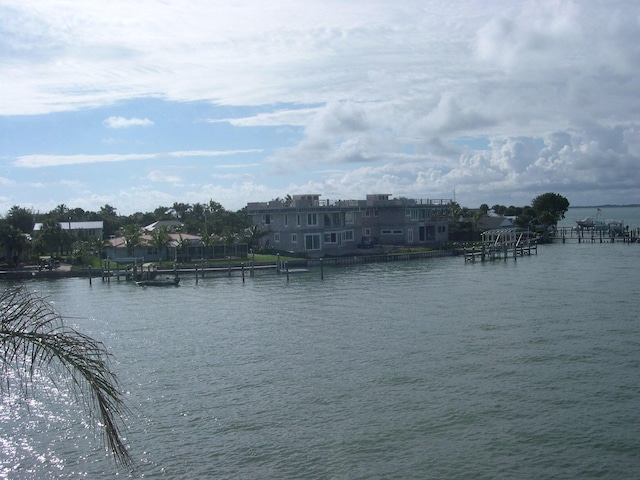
x,y
159,240
34,338
21,218
208,240
110,220
50,235
182,246
132,239
526,217
97,246
13,241
550,208
61,213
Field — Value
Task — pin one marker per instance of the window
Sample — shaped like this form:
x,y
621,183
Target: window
x,y
294,238
276,237
410,235
367,232
312,241
312,219
331,237
286,220
347,236
348,218
298,219
266,219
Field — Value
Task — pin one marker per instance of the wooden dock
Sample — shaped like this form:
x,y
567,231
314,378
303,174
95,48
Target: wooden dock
x,y
499,252
591,235
501,244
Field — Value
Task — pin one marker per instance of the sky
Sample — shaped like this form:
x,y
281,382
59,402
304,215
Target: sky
x,y
143,104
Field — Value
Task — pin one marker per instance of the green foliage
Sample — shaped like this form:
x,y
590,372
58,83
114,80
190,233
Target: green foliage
x,y
50,236
131,234
160,239
34,338
20,219
550,208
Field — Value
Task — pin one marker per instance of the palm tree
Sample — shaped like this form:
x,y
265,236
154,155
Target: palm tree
x,y
208,240
33,337
131,234
183,245
159,240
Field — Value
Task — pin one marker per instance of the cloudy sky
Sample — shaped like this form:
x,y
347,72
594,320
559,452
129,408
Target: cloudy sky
x,y
143,104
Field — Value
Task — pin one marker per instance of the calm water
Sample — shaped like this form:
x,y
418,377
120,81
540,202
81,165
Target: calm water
x,y
629,215
425,369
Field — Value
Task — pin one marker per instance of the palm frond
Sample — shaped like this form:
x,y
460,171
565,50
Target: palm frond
x,y
33,337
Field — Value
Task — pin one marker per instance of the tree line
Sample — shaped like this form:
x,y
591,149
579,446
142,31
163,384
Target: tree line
x,y
210,220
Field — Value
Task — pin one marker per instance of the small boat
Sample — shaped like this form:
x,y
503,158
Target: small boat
x,y
591,223
587,222
160,282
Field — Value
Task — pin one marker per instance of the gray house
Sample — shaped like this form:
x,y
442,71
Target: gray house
x,y
306,224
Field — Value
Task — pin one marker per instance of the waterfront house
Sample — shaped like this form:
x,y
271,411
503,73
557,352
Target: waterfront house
x,y
305,224
87,230
181,247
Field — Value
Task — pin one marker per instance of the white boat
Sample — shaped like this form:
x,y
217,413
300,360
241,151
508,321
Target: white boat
x,y
592,223
588,222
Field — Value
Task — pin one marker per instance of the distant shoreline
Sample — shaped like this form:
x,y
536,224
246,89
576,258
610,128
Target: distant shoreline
x,y
633,205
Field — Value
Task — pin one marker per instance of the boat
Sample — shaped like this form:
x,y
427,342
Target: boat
x,y
591,223
160,282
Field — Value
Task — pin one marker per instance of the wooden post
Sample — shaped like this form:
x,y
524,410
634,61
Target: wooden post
x,y
196,274
229,259
286,267
242,265
89,274
321,269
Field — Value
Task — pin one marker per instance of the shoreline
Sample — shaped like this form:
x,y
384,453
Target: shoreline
x,y
65,271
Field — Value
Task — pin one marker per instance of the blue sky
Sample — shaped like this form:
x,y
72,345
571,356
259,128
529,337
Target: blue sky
x,y
143,104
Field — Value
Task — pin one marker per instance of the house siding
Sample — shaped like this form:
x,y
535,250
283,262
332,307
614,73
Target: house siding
x,y
314,227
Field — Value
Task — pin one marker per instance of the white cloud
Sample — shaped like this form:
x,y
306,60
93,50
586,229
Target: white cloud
x,y
39,161
384,93
163,177
121,122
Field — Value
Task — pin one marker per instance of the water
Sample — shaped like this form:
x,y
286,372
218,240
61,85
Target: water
x,y
629,215
424,369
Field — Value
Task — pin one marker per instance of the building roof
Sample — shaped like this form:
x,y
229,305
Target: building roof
x,y
75,225
171,224
146,239
491,223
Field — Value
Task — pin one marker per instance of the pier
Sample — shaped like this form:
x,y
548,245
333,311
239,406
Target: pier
x,y
501,244
593,235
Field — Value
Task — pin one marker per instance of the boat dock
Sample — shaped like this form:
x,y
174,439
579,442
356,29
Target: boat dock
x,y
593,235
501,244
